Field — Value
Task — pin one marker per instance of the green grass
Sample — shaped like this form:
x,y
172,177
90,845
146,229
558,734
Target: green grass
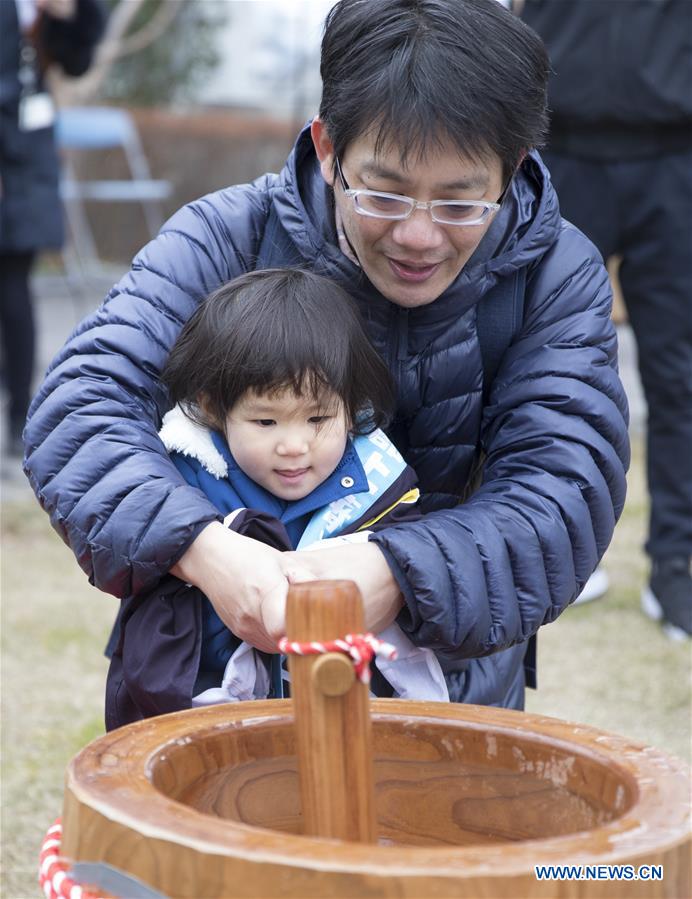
x,y
602,664
54,627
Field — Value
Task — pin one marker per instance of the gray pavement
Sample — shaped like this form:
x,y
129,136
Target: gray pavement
x,y
61,304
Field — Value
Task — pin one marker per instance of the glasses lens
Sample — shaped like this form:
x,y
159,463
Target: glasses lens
x,y
459,214
382,205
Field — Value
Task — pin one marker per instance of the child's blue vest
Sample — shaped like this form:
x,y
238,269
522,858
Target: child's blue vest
x,y
369,467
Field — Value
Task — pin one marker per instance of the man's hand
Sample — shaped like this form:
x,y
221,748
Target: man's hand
x,y
243,579
58,9
359,562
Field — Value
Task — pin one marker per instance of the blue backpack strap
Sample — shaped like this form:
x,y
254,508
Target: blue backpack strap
x,y
499,318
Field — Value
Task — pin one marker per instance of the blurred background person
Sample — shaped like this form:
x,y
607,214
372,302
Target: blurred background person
x,y
620,156
34,34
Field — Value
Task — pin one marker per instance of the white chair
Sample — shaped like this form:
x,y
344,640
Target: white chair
x,y
100,128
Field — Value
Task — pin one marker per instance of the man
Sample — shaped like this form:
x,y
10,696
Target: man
x,y
416,190
621,162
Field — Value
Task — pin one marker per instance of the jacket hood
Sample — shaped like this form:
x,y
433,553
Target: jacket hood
x,y
526,226
180,434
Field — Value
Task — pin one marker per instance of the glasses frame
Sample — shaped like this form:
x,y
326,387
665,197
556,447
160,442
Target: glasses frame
x,y
430,205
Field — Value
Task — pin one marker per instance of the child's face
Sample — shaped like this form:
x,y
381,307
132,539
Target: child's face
x,y
287,444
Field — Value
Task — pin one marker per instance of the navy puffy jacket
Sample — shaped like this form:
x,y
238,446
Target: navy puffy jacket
x,y
477,577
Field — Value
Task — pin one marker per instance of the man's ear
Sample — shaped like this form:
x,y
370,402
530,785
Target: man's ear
x,y
324,149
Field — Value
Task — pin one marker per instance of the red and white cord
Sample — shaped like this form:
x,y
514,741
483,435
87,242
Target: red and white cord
x,y
52,872
360,647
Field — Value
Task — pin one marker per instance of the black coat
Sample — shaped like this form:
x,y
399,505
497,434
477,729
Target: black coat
x,y
622,75
30,209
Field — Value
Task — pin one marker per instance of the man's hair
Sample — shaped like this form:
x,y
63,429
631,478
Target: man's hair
x,y
274,329
417,73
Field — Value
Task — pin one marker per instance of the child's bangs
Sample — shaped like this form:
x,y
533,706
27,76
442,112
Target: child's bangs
x,y
311,384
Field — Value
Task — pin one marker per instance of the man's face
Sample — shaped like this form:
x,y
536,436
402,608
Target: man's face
x,y
411,261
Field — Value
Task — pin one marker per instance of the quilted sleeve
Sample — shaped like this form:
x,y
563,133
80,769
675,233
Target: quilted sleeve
x,y
93,455
486,574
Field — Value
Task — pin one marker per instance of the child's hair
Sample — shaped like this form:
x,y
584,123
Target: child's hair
x,y
275,329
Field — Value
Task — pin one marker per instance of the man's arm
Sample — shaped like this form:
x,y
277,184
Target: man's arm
x,y
490,572
487,574
93,455
69,31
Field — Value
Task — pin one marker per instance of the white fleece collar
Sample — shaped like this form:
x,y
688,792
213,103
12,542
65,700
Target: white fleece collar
x,y
182,435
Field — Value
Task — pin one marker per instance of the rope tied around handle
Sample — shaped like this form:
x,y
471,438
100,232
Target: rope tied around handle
x,y
360,647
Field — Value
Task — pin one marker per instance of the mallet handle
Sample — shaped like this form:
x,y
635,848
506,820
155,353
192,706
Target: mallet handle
x,y
333,732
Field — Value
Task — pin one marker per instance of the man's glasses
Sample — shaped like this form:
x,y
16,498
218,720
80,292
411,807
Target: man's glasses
x,y
395,207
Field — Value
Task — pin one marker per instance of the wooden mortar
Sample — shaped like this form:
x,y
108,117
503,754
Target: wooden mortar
x,y
467,799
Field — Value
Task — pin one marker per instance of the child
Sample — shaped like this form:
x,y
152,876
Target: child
x,y
279,399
